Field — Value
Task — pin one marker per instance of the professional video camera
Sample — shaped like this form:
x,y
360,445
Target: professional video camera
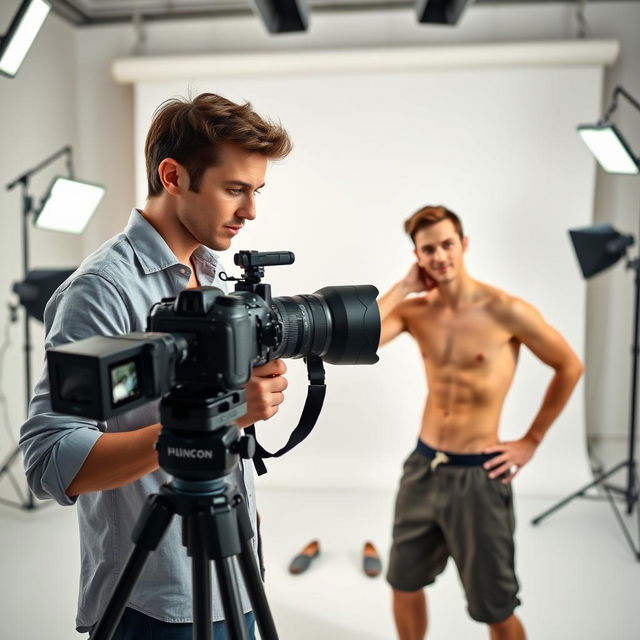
x,y
197,354
203,341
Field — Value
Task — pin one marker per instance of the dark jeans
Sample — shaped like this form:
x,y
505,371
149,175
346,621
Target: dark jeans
x,y
137,626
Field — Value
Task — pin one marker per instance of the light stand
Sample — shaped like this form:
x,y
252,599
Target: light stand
x,y
597,248
37,286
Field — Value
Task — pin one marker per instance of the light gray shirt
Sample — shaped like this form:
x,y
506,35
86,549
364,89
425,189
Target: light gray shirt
x,y
111,293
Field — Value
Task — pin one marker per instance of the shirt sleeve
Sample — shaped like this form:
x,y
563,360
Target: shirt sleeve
x,y
54,446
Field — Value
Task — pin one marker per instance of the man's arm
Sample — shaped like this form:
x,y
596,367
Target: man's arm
x,y
390,304
116,459
528,326
55,446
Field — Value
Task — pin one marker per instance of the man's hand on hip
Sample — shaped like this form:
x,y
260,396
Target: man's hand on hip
x,y
264,392
512,456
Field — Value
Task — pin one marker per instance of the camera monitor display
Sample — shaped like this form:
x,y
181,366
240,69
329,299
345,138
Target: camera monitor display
x,y
124,382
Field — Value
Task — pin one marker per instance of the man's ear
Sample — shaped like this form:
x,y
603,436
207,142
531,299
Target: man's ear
x,y
465,243
173,176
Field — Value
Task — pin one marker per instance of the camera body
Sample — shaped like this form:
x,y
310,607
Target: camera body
x,y
226,335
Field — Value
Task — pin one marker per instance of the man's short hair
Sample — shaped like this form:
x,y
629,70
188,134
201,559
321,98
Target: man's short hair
x,y
192,132
430,215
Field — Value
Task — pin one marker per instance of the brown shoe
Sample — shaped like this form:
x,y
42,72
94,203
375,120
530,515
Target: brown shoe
x,y
371,563
302,561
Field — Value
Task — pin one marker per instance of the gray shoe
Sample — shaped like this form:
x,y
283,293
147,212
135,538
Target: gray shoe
x,y
302,561
371,563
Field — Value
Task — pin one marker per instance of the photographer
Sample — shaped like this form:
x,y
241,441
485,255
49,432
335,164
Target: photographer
x,y
206,161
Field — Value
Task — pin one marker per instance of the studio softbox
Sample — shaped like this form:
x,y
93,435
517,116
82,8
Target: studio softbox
x,y
36,289
598,247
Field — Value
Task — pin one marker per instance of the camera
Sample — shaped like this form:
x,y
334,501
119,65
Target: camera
x,y
204,343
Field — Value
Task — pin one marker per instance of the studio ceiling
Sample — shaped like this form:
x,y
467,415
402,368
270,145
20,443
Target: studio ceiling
x,y
87,12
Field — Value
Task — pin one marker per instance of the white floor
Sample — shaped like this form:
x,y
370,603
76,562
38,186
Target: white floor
x,y
579,578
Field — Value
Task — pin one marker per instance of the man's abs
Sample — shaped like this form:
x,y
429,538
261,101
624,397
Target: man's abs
x,y
462,412
459,432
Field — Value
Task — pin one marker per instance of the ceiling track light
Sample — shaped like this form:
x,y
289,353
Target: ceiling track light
x,y
283,16
440,11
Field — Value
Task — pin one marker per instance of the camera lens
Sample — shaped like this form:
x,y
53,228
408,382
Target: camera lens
x,y
339,324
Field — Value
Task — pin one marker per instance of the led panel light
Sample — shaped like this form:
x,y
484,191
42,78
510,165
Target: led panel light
x,y
23,30
609,148
69,205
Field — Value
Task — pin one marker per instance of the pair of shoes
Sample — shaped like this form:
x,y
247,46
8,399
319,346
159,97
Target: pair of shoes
x,y
371,563
302,560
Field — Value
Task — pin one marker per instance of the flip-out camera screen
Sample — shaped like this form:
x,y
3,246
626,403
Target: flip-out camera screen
x,y
125,385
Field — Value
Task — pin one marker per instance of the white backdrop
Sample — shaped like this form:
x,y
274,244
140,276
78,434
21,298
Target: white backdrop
x,y
496,145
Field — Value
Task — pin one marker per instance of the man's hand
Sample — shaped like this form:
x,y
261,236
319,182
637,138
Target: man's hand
x,y
512,457
418,280
264,392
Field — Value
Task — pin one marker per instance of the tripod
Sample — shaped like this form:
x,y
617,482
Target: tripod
x,y
630,492
199,447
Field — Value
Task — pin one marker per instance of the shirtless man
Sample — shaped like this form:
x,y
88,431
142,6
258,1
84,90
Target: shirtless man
x,y
455,493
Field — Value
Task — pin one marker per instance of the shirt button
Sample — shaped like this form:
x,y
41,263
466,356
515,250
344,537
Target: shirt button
x,y
183,271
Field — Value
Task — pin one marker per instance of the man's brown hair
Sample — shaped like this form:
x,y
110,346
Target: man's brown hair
x,y
430,215
193,131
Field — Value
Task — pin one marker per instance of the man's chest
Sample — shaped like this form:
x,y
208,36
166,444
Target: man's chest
x,y
464,340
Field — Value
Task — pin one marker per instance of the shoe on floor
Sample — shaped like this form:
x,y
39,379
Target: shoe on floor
x,y
371,563
302,560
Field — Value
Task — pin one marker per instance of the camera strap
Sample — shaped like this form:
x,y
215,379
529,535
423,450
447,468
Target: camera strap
x,y
312,407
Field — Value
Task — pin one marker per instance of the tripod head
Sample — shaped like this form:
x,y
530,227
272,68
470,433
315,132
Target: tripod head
x,y
197,441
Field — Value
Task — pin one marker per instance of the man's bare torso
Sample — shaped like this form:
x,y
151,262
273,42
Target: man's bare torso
x,y
470,359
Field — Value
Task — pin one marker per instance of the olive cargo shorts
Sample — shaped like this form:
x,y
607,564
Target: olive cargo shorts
x,y
455,511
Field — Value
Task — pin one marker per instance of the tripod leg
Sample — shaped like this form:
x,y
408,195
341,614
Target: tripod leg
x,y
632,493
252,578
148,532
622,524
9,461
200,579
578,493
638,520
230,593
6,468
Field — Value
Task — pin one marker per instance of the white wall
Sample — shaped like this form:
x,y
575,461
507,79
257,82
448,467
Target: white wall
x,y
368,152
37,117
